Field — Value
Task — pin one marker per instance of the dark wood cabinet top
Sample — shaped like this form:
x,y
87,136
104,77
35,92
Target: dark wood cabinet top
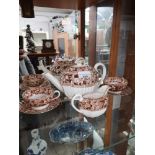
x,y
39,54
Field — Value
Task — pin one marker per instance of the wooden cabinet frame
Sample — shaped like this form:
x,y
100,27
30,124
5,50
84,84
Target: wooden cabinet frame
x,y
113,54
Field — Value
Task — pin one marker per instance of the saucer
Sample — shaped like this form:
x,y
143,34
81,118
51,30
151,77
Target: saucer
x,y
124,92
26,109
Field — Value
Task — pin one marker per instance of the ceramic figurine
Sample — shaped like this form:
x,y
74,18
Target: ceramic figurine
x,y
38,146
30,40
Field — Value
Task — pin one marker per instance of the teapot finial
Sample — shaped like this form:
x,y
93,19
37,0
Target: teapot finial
x,y
80,61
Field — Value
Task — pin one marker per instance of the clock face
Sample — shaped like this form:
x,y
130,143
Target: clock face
x,y
48,44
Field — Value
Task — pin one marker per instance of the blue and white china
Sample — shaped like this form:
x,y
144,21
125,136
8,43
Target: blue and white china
x,y
95,152
38,146
72,131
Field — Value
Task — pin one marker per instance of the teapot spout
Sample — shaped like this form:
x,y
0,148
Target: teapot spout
x,y
50,77
103,89
42,67
54,81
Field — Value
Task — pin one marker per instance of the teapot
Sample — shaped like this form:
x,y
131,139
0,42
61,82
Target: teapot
x,y
77,79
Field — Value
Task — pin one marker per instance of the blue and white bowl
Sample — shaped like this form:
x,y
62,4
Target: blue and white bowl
x,y
72,131
95,152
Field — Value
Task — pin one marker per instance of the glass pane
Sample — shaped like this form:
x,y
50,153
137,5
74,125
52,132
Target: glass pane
x,y
104,34
126,40
86,33
34,126
46,121
51,23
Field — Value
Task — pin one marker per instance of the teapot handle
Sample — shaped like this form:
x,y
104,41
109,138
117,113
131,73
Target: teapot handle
x,y
57,92
42,67
76,97
103,70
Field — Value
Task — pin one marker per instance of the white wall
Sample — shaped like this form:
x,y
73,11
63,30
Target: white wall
x,y
41,23
41,20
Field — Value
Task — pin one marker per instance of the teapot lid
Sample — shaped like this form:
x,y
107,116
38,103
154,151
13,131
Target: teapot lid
x,y
80,62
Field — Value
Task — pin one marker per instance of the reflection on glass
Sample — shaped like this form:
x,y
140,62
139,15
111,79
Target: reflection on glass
x,y
49,23
103,34
61,46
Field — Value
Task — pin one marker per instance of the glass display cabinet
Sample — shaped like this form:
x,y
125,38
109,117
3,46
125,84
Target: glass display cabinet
x,y
122,128
60,129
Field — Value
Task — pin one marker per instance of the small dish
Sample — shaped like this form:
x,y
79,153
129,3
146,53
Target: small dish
x,y
72,131
117,84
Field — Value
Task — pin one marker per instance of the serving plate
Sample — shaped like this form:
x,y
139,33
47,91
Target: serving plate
x,y
95,152
72,131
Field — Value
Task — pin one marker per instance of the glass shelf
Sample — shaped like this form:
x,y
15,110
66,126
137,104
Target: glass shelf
x,y
45,121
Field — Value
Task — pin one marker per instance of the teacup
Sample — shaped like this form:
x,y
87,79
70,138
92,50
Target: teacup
x,y
116,83
33,80
91,104
40,97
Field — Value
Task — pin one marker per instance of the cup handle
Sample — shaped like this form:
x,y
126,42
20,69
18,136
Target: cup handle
x,y
104,70
56,92
76,97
